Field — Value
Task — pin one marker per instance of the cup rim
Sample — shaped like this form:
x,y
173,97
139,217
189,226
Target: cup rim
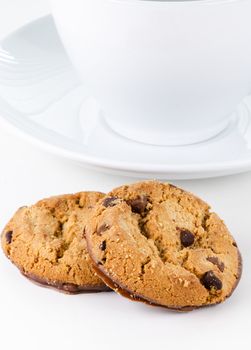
x,y
162,3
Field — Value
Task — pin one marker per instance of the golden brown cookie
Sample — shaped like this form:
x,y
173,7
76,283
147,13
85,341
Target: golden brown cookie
x,y
46,242
156,243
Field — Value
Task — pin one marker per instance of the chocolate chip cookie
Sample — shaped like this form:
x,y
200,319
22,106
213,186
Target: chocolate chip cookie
x,y
46,242
159,244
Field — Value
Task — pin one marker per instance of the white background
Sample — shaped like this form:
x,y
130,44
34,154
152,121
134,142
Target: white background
x,y
37,318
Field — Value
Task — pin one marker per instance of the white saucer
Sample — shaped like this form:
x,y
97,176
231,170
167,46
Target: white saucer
x,y
42,99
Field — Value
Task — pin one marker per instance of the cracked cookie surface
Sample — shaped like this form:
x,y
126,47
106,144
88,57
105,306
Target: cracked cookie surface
x,y
156,243
46,242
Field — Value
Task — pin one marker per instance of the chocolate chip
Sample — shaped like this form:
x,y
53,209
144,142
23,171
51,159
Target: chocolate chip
x,y
234,244
103,228
210,281
84,232
186,238
214,260
102,262
103,245
8,236
109,202
138,204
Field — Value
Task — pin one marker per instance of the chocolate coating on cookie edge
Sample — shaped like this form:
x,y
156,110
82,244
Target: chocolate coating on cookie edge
x,y
67,288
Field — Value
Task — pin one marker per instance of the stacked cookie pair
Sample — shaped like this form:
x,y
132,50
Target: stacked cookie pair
x,y
149,241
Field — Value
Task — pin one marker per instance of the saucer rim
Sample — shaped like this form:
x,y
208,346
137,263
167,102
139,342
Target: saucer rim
x,y
209,168
181,169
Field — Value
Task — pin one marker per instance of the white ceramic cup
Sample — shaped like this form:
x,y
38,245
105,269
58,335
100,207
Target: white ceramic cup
x,y
164,72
